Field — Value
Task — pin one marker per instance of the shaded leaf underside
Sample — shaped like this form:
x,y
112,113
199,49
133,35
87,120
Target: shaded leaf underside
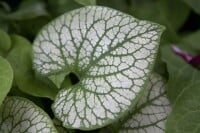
x,y
151,112
111,53
21,115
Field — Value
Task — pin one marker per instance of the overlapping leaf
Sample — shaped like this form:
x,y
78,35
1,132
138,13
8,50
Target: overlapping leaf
x,y
5,42
171,13
28,9
185,115
150,114
191,42
21,115
111,53
6,78
194,4
181,74
21,61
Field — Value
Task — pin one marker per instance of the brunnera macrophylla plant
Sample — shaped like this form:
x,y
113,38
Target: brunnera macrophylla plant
x,y
21,115
111,54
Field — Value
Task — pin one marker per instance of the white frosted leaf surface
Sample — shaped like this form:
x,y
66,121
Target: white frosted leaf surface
x,y
112,54
151,113
19,115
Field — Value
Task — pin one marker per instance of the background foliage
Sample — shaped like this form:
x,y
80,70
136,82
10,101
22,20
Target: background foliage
x,y
180,17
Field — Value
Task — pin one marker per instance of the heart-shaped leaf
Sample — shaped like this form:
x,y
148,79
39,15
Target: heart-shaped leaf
x,y
6,78
110,52
150,114
21,115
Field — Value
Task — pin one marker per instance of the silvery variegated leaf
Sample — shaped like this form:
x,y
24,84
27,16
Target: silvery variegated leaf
x,y
150,114
19,115
110,52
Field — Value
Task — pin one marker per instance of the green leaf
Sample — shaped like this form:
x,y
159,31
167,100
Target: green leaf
x,y
86,2
152,110
30,27
21,115
5,42
181,74
171,13
194,4
6,78
58,79
110,52
119,5
194,120
58,7
185,115
21,61
191,42
29,9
